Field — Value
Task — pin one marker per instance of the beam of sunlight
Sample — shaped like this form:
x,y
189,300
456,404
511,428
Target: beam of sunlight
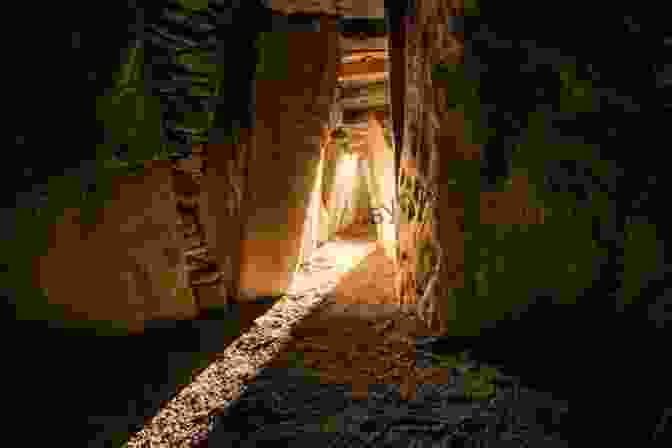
x,y
316,200
344,182
342,255
221,383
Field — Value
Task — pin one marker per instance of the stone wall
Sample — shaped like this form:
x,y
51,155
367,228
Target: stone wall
x,y
442,159
316,223
292,109
532,271
353,45
210,195
170,239
436,150
128,266
353,8
381,165
326,7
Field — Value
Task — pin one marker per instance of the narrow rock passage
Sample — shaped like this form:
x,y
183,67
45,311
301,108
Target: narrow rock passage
x,y
337,362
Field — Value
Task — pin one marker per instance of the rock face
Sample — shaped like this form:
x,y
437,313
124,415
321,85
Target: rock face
x,y
349,188
355,8
244,211
326,7
508,273
292,109
230,223
435,149
218,208
431,139
381,175
367,43
137,238
249,208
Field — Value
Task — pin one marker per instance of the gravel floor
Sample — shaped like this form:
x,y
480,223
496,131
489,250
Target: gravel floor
x,y
243,399
236,402
282,406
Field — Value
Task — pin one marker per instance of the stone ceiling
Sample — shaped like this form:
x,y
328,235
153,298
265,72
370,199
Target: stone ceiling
x,y
362,75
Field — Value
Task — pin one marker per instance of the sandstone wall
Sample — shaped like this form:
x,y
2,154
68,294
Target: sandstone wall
x,y
381,166
526,275
317,222
437,152
372,8
327,7
292,108
354,45
126,267
312,221
347,189
483,240
219,205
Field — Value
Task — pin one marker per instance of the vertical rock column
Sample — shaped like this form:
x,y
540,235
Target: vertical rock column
x,y
321,219
431,135
382,171
311,234
293,106
326,171
436,153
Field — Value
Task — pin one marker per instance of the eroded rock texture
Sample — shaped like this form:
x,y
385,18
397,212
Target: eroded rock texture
x,y
294,103
432,137
141,270
329,7
213,243
440,161
530,259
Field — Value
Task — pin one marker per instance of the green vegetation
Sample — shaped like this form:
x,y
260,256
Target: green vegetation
x,y
343,139
426,256
273,56
478,381
641,246
389,139
504,262
471,8
328,423
296,361
195,5
370,26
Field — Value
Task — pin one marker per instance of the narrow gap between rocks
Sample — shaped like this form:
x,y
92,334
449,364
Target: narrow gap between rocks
x,y
338,341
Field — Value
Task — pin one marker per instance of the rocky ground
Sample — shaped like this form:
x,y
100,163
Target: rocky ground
x,y
323,365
